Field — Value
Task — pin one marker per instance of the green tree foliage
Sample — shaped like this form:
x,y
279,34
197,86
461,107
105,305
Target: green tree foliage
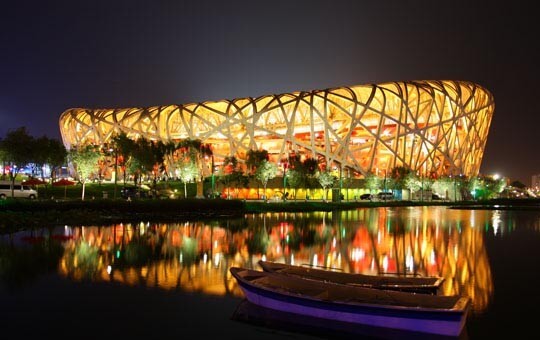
x,y
85,159
187,172
326,180
412,182
443,185
124,147
373,183
265,172
191,161
295,179
17,149
475,187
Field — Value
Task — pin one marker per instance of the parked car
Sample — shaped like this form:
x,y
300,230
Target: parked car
x,y
20,191
435,197
385,195
366,197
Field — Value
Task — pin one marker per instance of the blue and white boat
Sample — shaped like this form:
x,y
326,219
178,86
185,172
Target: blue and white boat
x,y
424,313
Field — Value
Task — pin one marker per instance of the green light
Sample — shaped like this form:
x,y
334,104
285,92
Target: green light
x,y
118,254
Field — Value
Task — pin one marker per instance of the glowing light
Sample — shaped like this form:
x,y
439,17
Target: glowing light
x,y
409,263
496,222
299,128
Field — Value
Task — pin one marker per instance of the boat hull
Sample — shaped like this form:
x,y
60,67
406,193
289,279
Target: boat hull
x,y
447,322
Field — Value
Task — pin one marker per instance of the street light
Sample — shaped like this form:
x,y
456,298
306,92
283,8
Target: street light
x,y
285,164
340,181
214,170
115,168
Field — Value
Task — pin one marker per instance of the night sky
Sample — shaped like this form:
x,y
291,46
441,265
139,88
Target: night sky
x,y
57,55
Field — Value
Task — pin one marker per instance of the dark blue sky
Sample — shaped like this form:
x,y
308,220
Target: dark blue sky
x,y
56,55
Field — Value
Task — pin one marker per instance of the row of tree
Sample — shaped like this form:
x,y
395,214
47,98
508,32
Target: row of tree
x,y
19,150
190,160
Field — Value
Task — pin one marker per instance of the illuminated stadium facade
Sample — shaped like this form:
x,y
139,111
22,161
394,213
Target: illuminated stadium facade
x,y
431,127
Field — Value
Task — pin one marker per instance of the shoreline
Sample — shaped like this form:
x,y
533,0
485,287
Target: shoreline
x,y
25,214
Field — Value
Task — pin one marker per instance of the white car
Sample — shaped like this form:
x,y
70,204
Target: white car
x,y
20,191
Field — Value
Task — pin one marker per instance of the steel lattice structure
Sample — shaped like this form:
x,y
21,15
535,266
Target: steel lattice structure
x,y
432,127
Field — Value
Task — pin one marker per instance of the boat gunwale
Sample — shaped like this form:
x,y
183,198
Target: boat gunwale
x,y
270,266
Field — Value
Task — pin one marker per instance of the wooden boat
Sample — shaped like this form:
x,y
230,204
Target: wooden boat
x,y
423,313
416,284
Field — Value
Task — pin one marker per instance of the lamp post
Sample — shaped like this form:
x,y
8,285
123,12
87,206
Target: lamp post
x,y
213,177
115,170
348,182
384,184
455,193
422,187
284,180
340,181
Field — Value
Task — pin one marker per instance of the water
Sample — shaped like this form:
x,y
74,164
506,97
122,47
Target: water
x,y
153,280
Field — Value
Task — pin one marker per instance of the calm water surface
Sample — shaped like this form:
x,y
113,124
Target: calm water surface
x,y
152,280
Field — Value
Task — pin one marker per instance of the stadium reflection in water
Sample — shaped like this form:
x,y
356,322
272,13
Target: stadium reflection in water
x,y
196,256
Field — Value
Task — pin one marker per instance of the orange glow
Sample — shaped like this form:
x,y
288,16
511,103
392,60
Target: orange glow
x,y
433,127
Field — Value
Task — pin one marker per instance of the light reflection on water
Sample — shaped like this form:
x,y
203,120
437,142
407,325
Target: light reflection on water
x,y
195,256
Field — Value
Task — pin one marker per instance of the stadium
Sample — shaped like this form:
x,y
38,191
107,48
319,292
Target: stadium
x,y
435,127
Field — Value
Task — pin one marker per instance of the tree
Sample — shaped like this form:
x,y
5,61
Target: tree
x,y
398,175
3,159
85,159
372,182
168,158
310,167
148,158
196,152
187,172
412,182
56,156
255,158
17,151
475,186
295,179
265,172
326,180
124,148
442,185
518,184
231,173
